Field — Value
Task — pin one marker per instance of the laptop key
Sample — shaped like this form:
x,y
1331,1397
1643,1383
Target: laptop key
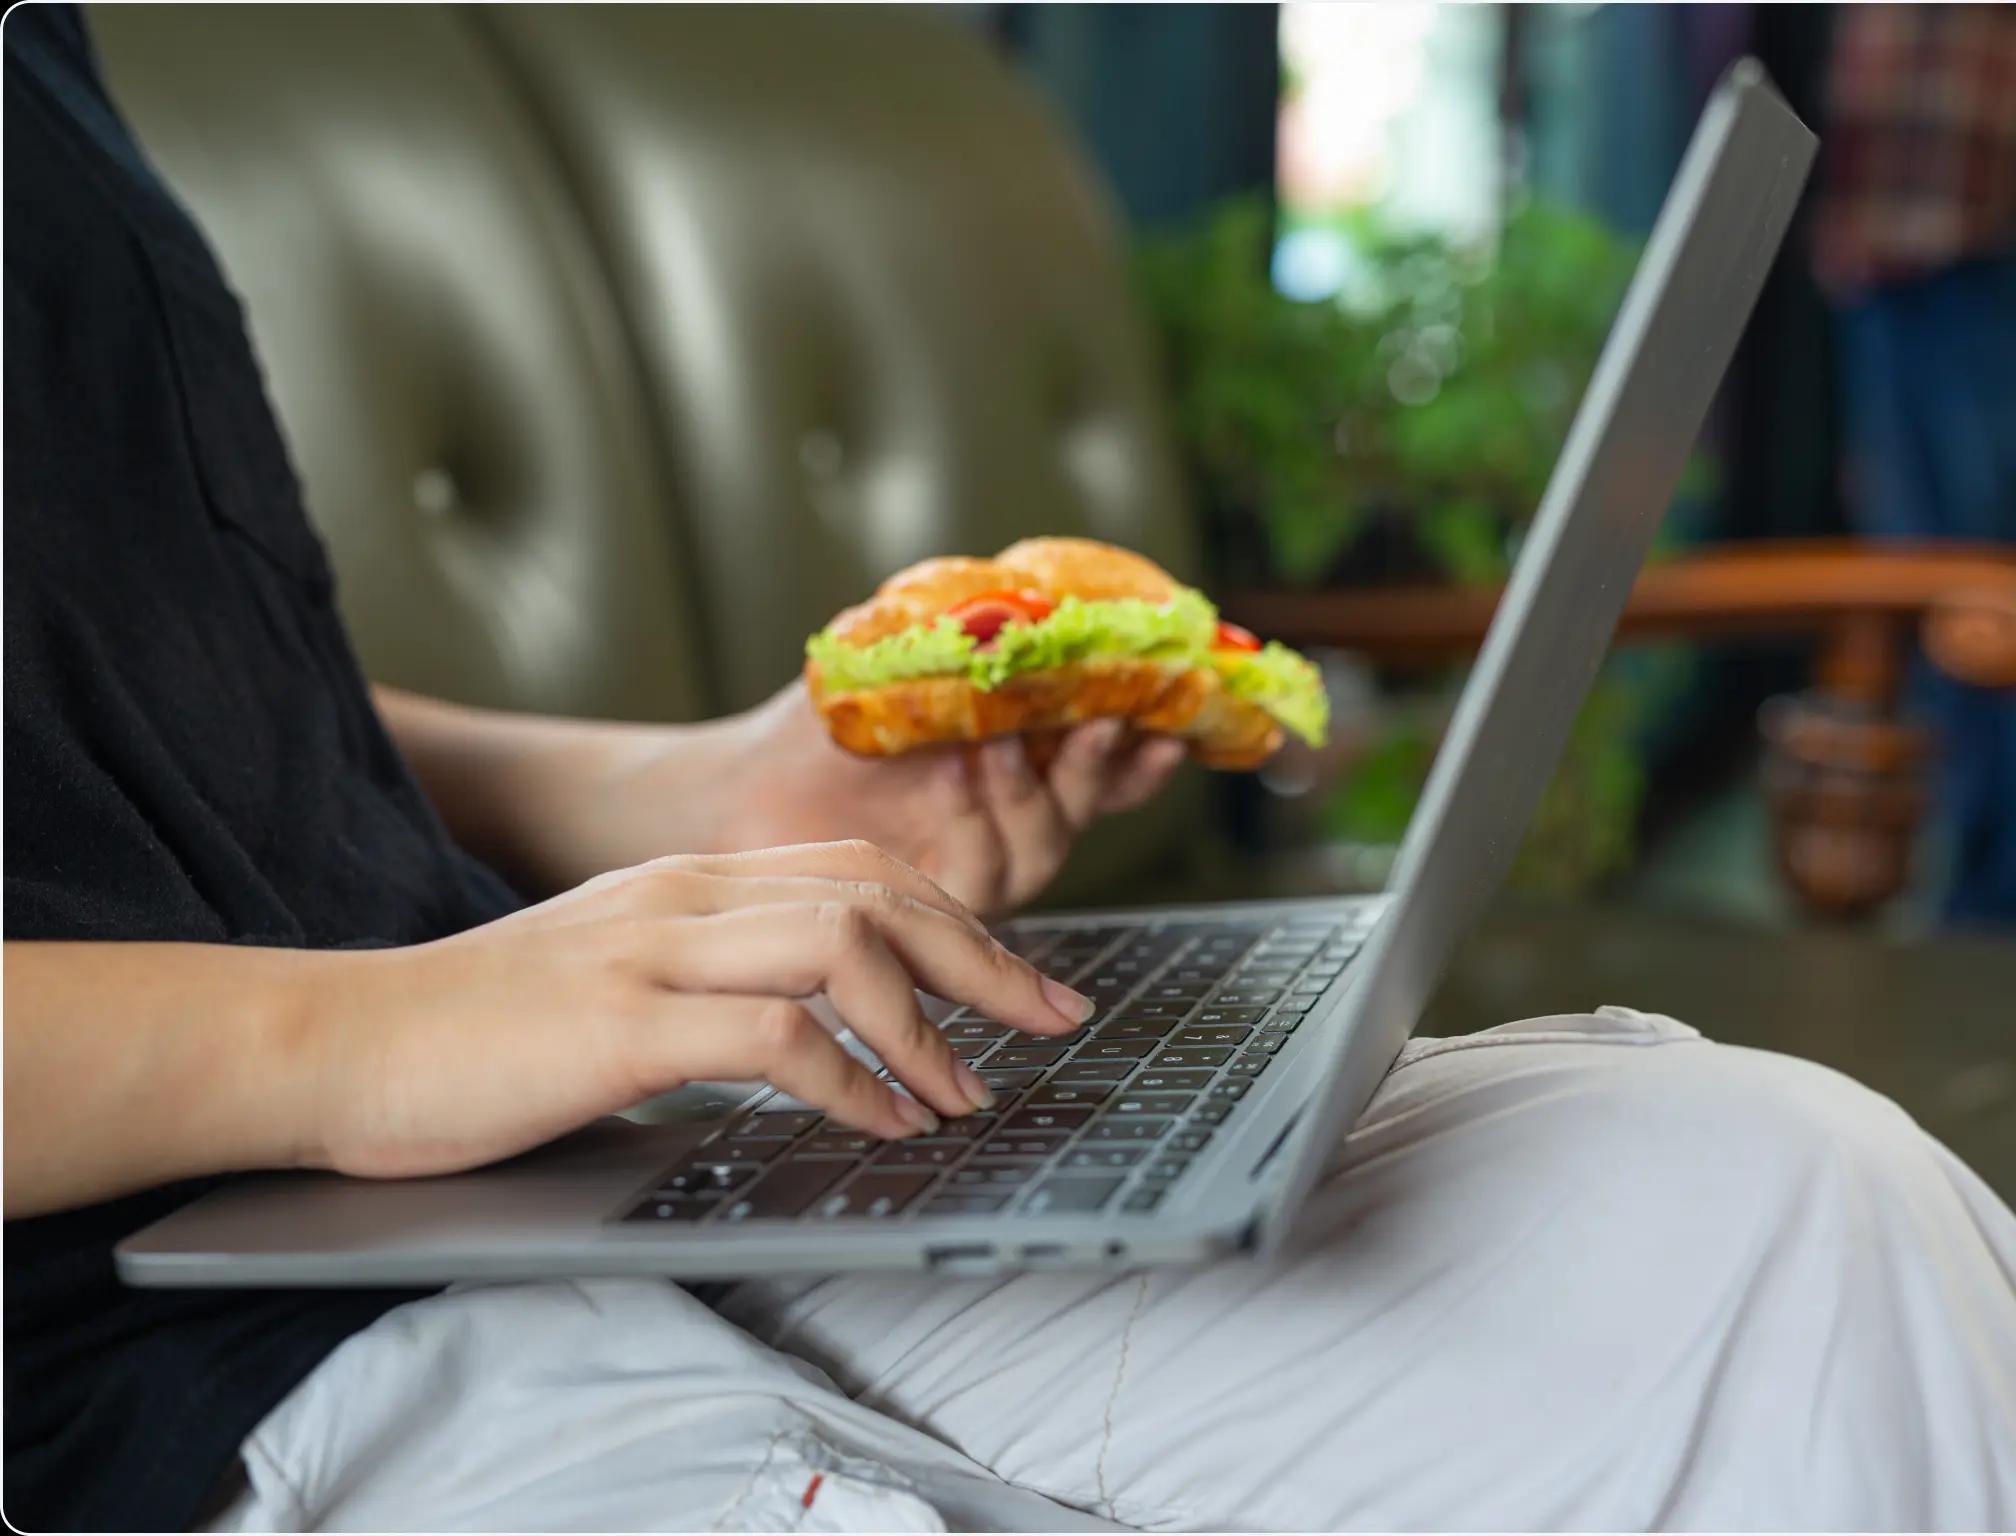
x,y
1025,1144
1132,1103
1133,1029
1164,1010
1072,1196
976,1029
839,1143
1026,1056
747,1149
1231,1088
1242,981
1037,1118
789,1188
1247,997
1166,1169
965,1203
1268,1041
1008,1082
780,1122
1156,1082
1189,1141
1106,983
1193,1056
970,1050
1250,1066
1105,1157
1129,1128
1108,1072
1220,1034
996,1174
1210,1114
1071,1093
1221,1017
1114,1050
964,1128
920,1154
676,1208
1146,1198
878,1192
719,1175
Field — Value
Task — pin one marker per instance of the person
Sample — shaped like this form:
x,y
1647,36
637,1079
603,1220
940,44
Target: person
x,y
1589,1270
1915,246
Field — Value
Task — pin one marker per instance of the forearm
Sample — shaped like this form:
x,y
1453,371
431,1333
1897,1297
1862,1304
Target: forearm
x,y
539,796
130,1065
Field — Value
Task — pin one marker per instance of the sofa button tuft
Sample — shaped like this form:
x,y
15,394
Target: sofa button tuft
x,y
435,493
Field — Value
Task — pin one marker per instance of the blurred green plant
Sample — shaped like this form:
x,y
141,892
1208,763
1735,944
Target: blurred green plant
x,y
1580,833
1436,388
1426,402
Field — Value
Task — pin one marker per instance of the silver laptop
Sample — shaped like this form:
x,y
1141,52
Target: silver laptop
x,y
1233,1044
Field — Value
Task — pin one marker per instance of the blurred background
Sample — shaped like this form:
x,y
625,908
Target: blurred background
x,y
619,347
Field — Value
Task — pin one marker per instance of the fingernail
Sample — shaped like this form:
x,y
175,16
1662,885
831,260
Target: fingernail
x,y
969,1084
916,1114
1074,1006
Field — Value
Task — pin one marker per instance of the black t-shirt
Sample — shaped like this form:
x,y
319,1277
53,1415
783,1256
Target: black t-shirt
x,y
191,754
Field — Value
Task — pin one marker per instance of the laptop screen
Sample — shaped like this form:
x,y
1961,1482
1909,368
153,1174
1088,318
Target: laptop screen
x,y
1705,263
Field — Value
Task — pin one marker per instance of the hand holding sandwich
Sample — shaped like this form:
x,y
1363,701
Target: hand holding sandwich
x,y
991,826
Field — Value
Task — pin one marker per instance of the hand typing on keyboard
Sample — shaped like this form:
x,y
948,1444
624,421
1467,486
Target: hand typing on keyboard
x,y
1107,1117
447,1055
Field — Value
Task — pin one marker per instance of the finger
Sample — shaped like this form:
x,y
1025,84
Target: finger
x,y
849,860
835,948
725,1038
967,858
1034,834
1137,775
1080,771
797,950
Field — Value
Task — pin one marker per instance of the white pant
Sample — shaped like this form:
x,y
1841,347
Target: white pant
x,y
1587,1271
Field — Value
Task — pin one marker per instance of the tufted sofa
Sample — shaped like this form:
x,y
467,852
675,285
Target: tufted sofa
x,y
619,346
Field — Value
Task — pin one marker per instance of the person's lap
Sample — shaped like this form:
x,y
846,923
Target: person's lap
x,y
1589,1271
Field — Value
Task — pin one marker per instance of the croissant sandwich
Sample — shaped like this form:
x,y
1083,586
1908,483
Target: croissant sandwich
x,y
1048,633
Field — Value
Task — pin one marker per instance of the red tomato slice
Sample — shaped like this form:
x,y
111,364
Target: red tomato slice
x,y
1231,637
982,617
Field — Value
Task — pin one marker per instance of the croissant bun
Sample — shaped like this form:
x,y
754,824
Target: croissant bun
x,y
1173,699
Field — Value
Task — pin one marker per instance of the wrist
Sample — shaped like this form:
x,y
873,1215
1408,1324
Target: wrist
x,y
286,1071
753,757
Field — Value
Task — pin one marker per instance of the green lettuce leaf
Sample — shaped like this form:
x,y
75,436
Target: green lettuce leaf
x,y
942,649
1285,684
1179,631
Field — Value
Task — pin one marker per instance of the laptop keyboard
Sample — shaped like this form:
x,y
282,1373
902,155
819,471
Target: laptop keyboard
x,y
1189,1015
